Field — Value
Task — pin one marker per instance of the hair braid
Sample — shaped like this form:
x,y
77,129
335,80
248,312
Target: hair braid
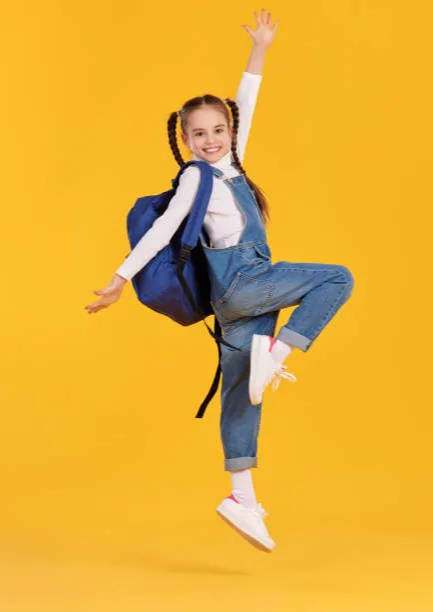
x,y
261,200
171,126
235,114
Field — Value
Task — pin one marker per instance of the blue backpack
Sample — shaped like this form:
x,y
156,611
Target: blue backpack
x,y
175,281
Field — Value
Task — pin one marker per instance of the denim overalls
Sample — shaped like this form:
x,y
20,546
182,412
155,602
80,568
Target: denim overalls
x,y
247,292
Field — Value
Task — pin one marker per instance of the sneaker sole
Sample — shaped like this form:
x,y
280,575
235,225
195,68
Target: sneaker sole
x,y
257,542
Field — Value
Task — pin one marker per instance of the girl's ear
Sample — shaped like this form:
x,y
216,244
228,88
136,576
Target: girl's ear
x,y
185,140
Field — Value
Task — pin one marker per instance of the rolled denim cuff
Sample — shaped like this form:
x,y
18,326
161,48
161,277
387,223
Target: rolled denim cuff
x,y
289,336
240,463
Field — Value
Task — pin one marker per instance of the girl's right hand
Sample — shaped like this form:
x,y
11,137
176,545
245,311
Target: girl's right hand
x,y
110,294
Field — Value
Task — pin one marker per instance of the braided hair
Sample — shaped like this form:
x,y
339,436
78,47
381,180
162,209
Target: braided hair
x,y
219,104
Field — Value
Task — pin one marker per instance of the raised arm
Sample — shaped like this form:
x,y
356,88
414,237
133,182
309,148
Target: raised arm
x,y
246,99
248,89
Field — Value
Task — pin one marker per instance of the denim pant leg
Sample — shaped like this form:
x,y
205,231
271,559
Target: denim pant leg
x,y
319,289
240,420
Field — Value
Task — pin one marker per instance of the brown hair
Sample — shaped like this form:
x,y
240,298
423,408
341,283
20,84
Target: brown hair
x,y
218,103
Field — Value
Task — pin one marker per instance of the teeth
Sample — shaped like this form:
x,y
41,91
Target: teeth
x,y
212,150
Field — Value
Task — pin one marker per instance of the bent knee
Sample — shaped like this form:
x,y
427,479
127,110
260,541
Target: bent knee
x,y
346,274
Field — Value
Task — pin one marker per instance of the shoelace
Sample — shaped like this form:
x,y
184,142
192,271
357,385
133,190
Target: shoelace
x,y
259,510
278,375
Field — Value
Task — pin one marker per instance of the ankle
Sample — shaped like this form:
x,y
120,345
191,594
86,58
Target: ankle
x,y
242,487
280,350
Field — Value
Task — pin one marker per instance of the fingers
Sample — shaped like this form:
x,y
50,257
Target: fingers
x,y
101,303
264,18
91,308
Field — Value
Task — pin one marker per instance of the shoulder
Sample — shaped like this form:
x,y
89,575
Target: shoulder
x,y
190,175
189,181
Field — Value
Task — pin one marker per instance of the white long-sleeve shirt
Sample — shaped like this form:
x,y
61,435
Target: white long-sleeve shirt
x,y
223,220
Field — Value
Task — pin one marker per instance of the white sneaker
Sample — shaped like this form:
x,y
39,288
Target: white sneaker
x,y
264,368
248,522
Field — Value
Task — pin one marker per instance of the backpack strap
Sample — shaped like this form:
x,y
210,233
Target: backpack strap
x,y
192,230
188,243
215,382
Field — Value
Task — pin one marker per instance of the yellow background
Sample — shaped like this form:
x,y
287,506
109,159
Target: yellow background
x,y
109,483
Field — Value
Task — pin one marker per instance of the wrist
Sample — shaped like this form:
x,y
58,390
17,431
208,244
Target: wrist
x,y
118,277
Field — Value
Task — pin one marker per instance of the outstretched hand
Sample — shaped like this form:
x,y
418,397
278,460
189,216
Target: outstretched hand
x,y
264,34
110,294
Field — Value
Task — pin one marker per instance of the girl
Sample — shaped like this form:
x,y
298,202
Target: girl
x,y
247,290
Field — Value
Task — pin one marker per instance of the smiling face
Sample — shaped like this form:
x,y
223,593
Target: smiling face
x,y
208,134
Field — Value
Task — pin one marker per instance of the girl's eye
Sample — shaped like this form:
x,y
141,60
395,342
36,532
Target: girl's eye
x,y
218,130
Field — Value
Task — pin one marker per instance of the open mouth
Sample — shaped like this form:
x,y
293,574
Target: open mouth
x,y
212,150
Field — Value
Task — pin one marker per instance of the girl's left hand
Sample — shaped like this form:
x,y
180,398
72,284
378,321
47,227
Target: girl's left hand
x,y
265,33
